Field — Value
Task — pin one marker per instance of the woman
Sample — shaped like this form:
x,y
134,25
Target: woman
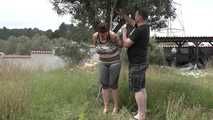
x,y
108,46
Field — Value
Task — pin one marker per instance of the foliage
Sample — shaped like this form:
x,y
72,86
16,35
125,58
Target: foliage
x,y
78,33
23,45
156,53
72,52
5,33
91,11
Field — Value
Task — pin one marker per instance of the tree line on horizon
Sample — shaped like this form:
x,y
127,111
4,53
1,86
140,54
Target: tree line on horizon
x,y
69,41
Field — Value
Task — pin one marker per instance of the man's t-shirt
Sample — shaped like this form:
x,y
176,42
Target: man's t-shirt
x,y
137,53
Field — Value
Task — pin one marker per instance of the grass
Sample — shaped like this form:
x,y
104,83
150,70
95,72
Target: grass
x,y
70,94
14,92
176,97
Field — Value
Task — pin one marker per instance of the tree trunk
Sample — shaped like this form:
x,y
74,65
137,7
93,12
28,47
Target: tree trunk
x,y
108,13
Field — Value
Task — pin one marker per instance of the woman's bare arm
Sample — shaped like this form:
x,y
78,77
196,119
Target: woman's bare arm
x,y
116,39
94,37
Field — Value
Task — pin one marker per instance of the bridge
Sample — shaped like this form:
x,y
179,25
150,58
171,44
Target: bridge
x,y
195,42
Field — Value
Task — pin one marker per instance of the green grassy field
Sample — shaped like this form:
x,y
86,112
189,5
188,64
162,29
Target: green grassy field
x,y
70,94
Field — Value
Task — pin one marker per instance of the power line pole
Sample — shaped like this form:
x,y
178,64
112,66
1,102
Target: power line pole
x,y
176,26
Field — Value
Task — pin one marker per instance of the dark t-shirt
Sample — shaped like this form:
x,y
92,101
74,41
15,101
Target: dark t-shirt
x,y
137,53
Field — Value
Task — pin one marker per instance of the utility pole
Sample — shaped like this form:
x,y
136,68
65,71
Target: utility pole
x,y
176,26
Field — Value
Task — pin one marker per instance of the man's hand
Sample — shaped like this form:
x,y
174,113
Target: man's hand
x,y
124,30
120,12
124,15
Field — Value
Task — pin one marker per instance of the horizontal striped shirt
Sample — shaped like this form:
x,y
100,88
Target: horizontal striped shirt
x,y
108,51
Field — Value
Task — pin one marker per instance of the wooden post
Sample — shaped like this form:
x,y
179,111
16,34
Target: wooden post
x,y
197,53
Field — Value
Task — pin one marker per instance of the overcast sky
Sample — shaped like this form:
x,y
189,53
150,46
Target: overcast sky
x,y
198,17
196,14
29,13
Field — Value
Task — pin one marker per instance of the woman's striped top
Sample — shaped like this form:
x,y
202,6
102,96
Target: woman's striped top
x,y
108,51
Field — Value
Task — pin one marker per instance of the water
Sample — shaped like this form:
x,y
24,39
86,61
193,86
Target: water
x,y
36,62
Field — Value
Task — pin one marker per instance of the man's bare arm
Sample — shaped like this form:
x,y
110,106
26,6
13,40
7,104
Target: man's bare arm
x,y
127,42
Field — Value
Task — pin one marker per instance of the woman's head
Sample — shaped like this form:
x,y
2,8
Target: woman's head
x,y
103,30
102,27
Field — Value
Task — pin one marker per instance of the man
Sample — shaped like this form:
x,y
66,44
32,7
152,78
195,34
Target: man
x,y
137,44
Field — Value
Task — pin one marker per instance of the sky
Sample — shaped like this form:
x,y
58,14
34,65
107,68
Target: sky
x,y
196,16
30,14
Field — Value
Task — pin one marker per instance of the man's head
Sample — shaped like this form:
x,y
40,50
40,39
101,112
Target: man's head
x,y
103,29
141,15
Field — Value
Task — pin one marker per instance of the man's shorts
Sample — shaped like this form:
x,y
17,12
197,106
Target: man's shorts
x,y
137,76
109,74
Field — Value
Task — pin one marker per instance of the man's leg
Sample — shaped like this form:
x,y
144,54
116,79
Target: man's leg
x,y
137,84
140,98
